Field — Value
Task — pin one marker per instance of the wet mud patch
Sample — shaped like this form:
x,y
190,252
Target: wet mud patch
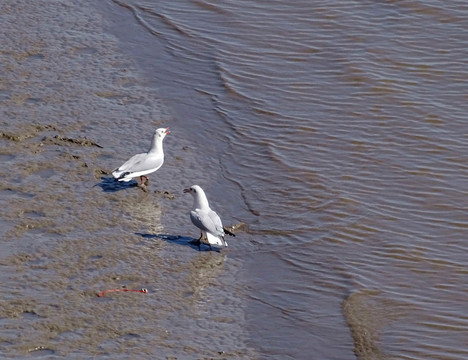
x,y
367,313
65,222
165,194
13,137
237,227
59,306
23,132
65,306
15,191
63,140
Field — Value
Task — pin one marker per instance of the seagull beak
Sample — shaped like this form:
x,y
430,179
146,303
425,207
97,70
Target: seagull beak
x,y
167,131
186,190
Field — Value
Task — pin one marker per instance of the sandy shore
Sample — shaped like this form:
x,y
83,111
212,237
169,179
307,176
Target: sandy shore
x,y
69,99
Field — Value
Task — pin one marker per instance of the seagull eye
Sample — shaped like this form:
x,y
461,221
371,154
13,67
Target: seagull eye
x,y
194,190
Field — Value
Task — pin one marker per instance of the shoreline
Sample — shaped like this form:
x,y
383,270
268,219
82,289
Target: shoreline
x,y
65,238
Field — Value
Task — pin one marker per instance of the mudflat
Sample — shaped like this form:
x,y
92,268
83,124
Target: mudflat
x,y
73,107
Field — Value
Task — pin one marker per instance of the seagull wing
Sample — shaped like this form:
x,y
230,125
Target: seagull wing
x,y
207,221
139,163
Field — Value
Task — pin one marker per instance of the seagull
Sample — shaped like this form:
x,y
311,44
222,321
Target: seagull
x,y
145,163
212,230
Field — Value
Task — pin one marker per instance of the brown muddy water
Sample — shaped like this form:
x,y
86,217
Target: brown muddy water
x,y
335,130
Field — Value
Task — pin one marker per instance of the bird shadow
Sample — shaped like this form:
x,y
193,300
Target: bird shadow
x,y
110,184
178,240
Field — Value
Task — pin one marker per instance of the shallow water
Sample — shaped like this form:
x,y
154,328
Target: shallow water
x,y
335,130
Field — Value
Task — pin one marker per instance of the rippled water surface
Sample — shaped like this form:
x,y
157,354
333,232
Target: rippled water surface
x,y
335,129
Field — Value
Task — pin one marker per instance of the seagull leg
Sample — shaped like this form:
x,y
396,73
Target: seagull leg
x,y
197,242
144,183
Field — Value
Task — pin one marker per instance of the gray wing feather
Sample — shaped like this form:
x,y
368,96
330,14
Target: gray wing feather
x,y
207,221
140,162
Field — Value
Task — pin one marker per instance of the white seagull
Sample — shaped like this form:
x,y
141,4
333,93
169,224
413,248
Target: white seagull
x,y
212,230
140,165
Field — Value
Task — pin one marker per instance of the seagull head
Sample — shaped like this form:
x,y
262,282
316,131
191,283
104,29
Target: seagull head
x,y
194,190
161,132
199,197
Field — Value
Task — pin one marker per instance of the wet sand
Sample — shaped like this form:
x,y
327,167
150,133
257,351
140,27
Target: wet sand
x,y
73,107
